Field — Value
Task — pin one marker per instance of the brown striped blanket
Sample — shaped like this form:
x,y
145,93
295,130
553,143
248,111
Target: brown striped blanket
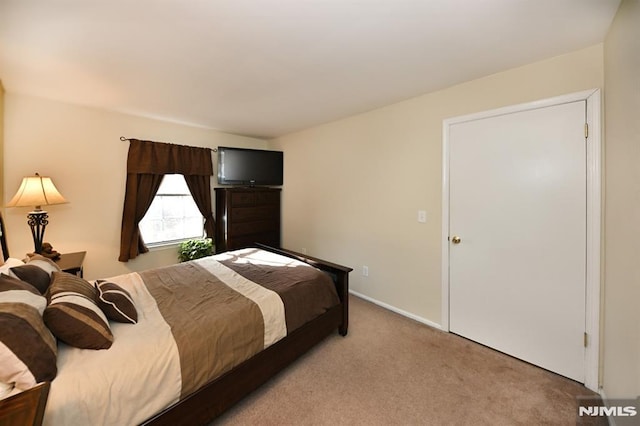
x,y
196,320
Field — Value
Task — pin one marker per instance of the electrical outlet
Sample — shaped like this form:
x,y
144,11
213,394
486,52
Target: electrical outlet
x,y
422,216
303,250
365,271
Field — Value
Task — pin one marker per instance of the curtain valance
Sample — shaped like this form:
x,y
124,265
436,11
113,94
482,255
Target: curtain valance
x,y
159,158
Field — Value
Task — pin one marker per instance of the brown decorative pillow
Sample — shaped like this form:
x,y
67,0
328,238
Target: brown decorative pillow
x,y
46,264
72,314
116,302
34,275
28,350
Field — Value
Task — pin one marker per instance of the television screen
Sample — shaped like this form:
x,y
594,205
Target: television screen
x,y
241,166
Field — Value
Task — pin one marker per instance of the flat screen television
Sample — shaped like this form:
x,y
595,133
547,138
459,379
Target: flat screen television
x,y
250,167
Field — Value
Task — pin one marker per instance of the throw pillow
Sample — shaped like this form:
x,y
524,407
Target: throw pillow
x,y
72,314
116,302
44,263
27,348
34,275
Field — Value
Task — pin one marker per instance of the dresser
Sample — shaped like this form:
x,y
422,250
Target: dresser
x,y
245,216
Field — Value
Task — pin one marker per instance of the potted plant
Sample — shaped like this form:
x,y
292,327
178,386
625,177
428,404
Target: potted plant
x,y
195,248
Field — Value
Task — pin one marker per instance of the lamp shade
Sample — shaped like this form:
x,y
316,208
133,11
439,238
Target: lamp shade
x,y
36,191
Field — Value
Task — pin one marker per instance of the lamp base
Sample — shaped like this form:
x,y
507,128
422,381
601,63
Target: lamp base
x,y
38,221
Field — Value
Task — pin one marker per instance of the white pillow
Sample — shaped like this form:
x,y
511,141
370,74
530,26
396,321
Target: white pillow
x,y
10,263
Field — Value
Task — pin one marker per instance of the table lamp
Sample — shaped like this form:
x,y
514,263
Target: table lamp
x,y
37,191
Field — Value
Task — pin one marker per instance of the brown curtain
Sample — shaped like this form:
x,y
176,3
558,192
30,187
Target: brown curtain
x,y
147,163
139,194
200,188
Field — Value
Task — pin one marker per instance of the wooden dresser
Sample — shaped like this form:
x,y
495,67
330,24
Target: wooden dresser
x,y
245,216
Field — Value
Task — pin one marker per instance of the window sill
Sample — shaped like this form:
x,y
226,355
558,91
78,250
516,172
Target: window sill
x,y
164,245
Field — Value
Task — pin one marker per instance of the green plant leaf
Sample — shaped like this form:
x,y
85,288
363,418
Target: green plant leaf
x,y
195,248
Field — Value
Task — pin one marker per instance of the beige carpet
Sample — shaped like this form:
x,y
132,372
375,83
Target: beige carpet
x,y
391,370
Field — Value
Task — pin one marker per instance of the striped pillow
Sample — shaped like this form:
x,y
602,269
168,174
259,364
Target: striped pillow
x,y
116,302
27,348
48,265
72,314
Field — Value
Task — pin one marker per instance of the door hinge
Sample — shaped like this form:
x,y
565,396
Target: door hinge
x,y
586,130
586,339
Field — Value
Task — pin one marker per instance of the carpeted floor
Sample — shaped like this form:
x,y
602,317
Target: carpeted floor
x,y
391,370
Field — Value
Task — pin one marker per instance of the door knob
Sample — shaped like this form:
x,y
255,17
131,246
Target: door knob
x,y
455,239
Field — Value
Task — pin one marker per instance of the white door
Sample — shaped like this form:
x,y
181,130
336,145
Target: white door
x,y
517,202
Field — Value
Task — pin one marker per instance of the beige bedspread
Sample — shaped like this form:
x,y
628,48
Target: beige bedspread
x,y
197,320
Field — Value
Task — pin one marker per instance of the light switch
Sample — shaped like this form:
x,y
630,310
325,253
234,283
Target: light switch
x,y
422,216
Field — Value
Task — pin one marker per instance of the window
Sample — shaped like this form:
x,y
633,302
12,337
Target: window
x,y
173,214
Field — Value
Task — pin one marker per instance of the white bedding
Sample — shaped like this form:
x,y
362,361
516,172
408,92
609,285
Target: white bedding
x,y
105,377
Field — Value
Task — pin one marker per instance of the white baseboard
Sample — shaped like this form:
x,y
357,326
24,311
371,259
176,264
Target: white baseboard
x,y
397,310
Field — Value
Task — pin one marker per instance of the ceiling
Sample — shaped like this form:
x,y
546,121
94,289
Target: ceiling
x,y
265,68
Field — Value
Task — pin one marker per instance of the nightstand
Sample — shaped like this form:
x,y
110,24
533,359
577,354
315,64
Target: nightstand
x,y
72,262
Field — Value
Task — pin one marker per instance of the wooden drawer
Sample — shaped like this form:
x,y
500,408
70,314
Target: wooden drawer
x,y
247,214
270,238
272,198
255,227
250,198
243,199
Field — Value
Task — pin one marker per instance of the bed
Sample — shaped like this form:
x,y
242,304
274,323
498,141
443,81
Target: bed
x,y
167,369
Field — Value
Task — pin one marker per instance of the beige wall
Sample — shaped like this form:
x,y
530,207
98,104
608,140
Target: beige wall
x,y
80,149
353,187
622,204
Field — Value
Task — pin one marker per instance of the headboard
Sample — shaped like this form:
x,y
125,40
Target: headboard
x,y
3,239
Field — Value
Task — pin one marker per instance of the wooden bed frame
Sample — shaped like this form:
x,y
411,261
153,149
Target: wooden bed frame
x,y
3,239
220,394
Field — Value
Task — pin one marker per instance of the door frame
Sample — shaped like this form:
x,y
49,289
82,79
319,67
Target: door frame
x,y
593,209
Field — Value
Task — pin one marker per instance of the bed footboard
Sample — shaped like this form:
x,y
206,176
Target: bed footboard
x,y
339,274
